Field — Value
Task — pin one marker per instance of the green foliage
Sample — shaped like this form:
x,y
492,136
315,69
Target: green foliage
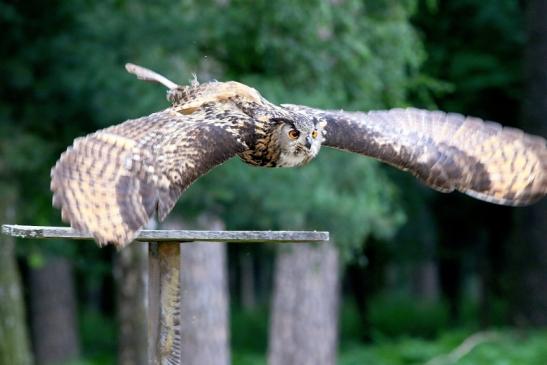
x,y
98,335
499,310
393,315
244,358
512,348
354,52
505,348
249,330
481,57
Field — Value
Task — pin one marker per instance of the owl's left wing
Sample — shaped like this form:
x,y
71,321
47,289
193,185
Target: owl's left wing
x,y
446,151
111,182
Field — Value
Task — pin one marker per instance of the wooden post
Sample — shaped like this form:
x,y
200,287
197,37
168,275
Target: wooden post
x,y
164,294
164,303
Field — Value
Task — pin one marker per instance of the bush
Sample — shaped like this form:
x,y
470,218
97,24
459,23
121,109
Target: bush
x,y
507,347
404,316
249,330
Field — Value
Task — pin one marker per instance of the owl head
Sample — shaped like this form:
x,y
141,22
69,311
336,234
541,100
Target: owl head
x,y
291,138
299,138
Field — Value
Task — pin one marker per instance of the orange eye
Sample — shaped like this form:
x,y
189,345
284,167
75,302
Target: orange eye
x,y
294,134
314,134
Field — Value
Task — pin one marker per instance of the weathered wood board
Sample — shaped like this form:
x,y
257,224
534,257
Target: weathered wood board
x,y
42,232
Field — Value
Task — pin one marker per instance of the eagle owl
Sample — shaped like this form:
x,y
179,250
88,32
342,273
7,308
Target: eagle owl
x,y
111,182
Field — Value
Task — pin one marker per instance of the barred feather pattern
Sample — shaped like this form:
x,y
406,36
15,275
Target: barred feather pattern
x,y
446,151
111,182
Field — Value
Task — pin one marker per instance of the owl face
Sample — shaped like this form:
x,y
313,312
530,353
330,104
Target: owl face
x,y
299,140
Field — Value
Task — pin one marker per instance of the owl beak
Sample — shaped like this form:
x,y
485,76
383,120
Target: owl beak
x,y
309,142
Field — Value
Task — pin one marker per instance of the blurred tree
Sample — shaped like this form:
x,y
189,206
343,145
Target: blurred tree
x,y
304,319
30,131
131,275
531,243
54,312
14,342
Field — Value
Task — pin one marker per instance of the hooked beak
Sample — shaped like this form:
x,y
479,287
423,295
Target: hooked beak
x,y
309,142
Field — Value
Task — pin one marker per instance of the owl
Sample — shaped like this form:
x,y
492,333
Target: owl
x,y
111,182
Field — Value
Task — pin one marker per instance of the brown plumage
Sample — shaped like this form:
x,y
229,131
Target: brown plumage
x,y
446,151
111,182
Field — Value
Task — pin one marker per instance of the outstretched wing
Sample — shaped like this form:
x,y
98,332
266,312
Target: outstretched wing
x,y
446,151
111,182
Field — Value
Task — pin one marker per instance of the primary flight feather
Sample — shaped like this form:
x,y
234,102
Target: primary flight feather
x,y
111,182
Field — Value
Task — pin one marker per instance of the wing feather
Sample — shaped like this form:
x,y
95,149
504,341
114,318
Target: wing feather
x,y
446,151
110,183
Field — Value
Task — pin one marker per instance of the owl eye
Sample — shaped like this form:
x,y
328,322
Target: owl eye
x,y
294,134
314,134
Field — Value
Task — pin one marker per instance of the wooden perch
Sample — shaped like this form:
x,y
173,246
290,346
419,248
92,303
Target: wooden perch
x,y
164,298
164,294
40,232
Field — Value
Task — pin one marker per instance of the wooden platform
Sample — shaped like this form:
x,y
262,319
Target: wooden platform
x,y
164,294
43,232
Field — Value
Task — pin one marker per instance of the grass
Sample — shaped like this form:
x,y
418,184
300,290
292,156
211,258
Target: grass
x,y
507,347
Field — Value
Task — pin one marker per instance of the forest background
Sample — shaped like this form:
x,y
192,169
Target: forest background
x,y
414,274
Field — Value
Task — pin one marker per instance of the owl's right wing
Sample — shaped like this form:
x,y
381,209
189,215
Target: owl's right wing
x,y
446,151
111,182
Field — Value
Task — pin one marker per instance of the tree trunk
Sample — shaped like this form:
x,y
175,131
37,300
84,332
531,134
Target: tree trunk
x,y
53,312
425,282
204,288
131,274
14,346
532,249
304,323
